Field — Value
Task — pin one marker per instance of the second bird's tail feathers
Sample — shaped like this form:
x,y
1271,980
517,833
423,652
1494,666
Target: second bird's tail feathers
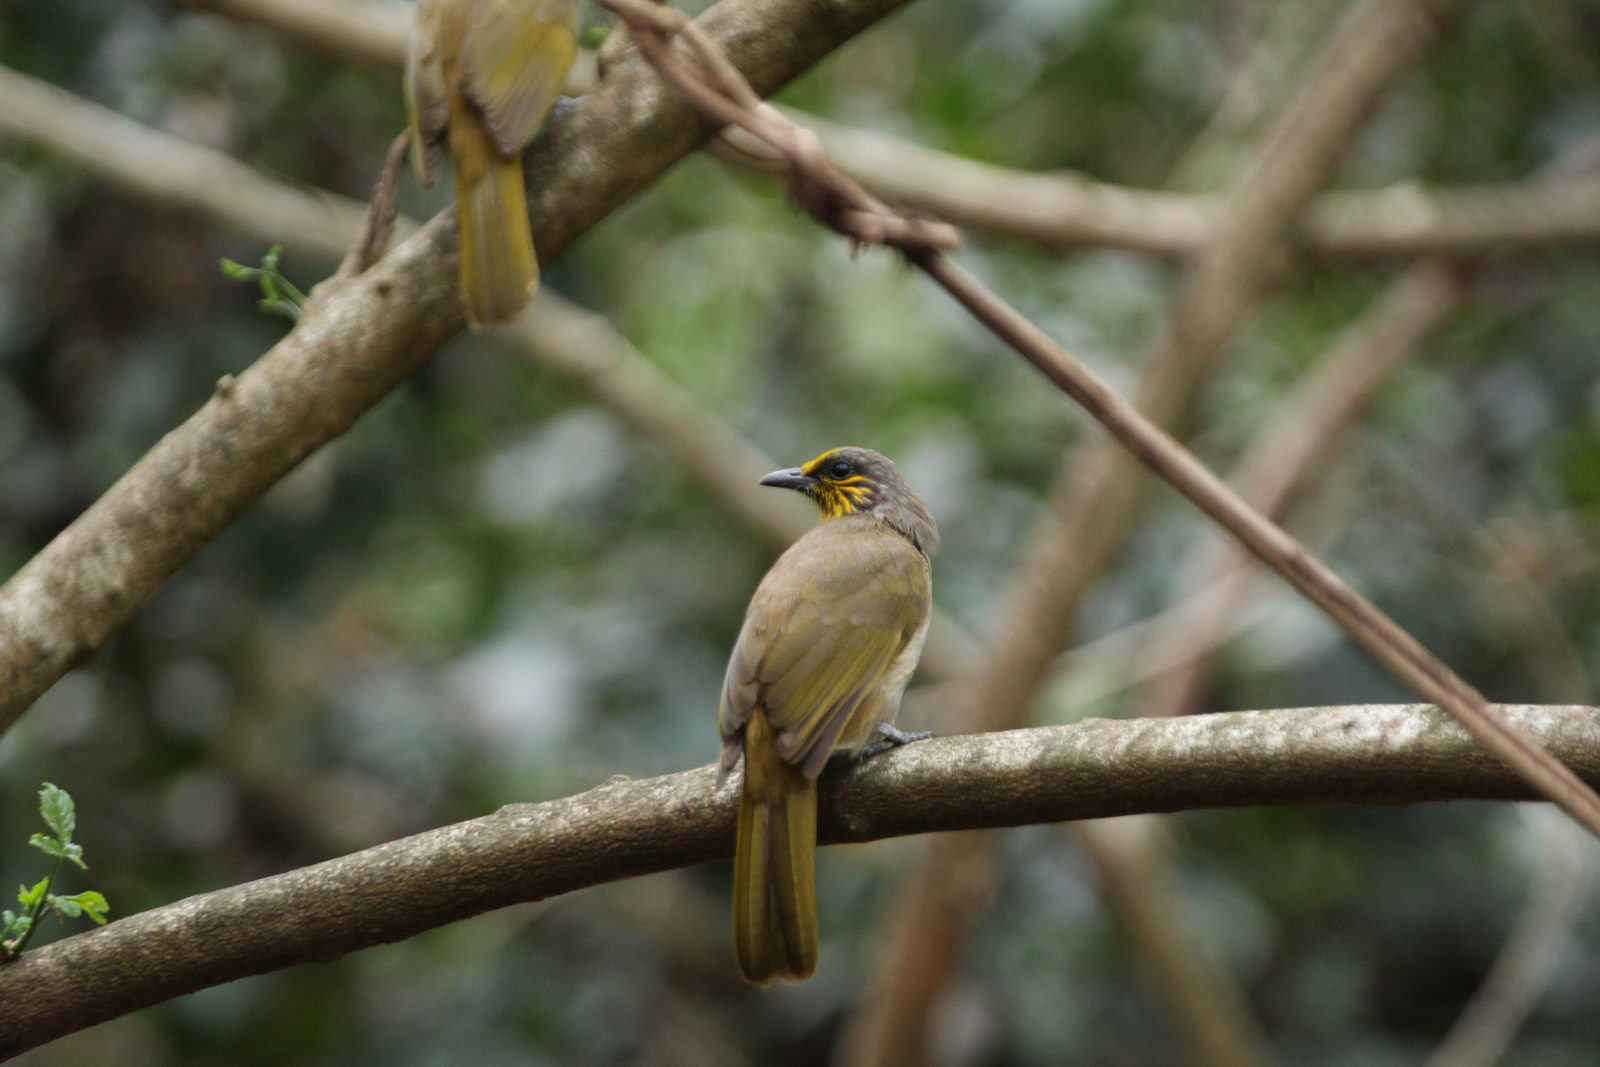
x,y
498,268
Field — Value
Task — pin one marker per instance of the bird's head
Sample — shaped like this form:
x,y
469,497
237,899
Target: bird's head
x,y
853,481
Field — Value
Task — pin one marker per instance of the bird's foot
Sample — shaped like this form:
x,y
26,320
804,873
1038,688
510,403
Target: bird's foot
x,y
892,738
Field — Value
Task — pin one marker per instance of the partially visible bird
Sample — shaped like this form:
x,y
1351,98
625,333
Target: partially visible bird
x,y
830,639
481,75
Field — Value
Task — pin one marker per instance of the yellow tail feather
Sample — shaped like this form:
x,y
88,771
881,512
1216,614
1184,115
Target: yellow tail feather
x,y
498,268
774,884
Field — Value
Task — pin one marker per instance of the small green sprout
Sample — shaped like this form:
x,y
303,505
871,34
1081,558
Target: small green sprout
x,y
55,806
278,294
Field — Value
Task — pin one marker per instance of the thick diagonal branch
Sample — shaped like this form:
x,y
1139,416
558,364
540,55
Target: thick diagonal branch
x,y
359,339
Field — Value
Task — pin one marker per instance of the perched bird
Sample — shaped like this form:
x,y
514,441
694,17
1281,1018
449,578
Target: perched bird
x,y
481,75
831,637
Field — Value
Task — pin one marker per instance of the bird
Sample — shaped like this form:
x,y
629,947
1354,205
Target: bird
x,y
829,641
480,77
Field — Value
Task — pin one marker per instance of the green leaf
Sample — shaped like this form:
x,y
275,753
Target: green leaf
x,y
30,898
66,907
55,804
90,903
51,847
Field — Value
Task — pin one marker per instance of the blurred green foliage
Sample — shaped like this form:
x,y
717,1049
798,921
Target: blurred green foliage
x,y
492,591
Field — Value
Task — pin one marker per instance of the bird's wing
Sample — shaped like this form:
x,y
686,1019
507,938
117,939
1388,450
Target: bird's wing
x,y
823,631
514,60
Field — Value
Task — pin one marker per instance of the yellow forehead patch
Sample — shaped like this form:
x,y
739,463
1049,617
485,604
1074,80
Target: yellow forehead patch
x,y
811,469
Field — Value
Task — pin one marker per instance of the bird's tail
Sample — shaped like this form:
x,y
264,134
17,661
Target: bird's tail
x,y
774,885
498,268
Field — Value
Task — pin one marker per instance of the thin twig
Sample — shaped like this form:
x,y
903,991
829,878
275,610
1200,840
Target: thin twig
x,y
1300,434
1509,603
720,91
1363,621
1100,490
378,227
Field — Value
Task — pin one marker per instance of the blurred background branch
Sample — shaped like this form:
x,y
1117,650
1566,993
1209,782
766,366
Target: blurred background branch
x,y
359,31
190,177
1288,452
1064,212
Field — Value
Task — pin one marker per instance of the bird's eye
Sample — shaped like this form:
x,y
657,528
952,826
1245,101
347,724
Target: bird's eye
x,y
840,468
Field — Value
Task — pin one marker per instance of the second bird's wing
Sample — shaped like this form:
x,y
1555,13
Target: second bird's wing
x,y
823,631
514,61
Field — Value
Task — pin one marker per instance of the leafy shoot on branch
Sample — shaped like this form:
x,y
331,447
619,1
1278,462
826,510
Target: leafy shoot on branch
x,y
55,806
278,294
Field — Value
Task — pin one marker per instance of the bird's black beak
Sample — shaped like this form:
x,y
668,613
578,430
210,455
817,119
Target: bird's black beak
x,y
793,478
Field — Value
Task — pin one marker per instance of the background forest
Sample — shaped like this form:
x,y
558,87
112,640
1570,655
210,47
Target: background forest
x,y
506,583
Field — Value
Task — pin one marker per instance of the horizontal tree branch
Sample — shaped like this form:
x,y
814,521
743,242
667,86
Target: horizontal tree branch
x,y
1376,754
1063,211
358,339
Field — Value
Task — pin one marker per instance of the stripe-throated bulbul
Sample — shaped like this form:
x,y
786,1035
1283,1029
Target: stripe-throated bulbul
x,y
481,75
831,637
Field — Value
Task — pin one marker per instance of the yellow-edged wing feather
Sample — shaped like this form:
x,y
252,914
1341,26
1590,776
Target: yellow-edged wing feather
x,y
823,631
514,60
